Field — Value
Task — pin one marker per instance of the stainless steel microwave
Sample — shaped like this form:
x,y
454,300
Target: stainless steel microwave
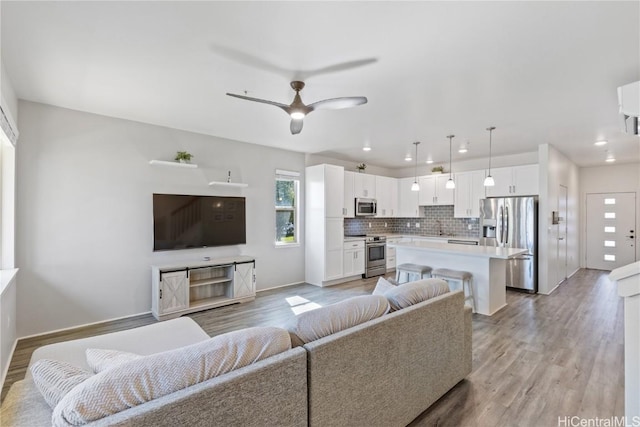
x,y
366,207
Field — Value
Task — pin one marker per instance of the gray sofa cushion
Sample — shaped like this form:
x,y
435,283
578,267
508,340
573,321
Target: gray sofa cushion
x,y
383,286
412,293
323,321
142,380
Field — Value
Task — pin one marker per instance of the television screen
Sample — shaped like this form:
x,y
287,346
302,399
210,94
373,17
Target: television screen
x,y
185,222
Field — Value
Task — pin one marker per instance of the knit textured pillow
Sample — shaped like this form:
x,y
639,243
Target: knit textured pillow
x,y
312,325
383,286
150,377
412,293
100,359
54,379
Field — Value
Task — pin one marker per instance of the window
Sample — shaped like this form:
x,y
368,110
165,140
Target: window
x,y
609,243
287,210
608,257
611,201
609,229
609,215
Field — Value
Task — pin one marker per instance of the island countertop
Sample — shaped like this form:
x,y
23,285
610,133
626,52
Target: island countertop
x,y
468,250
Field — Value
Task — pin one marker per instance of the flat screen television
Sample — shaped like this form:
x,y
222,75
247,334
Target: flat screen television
x,y
186,222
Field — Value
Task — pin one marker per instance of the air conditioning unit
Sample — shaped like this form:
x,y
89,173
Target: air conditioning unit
x,y
629,103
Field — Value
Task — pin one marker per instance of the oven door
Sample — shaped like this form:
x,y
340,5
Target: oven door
x,y
376,255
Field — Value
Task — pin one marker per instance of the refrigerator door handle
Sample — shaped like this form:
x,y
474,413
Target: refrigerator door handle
x,y
506,225
501,225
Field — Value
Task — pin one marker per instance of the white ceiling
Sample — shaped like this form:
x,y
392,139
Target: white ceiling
x,y
541,72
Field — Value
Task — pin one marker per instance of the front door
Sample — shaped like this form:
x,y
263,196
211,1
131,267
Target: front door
x,y
610,230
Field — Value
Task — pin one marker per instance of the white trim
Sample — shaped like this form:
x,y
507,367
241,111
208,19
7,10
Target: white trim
x,y
83,325
280,286
287,174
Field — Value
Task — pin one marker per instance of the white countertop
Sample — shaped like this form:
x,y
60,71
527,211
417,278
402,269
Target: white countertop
x,y
468,250
412,236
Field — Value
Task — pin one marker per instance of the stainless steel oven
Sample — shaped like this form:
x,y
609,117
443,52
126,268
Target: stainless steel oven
x,y
375,256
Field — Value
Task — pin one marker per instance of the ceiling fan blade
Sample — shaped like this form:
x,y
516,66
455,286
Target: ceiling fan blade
x,y
338,103
296,126
285,107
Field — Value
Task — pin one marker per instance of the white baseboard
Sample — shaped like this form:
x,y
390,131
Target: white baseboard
x,y
5,371
280,286
83,325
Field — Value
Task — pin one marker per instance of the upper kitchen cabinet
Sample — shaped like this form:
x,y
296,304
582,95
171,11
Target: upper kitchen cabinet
x,y
387,196
469,190
514,181
364,186
349,204
324,190
433,190
407,199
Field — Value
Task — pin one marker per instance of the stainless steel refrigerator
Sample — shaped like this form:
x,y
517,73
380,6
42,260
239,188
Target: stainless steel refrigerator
x,y
512,222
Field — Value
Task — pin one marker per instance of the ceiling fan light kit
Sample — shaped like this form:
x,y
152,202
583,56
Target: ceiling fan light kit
x,y
297,110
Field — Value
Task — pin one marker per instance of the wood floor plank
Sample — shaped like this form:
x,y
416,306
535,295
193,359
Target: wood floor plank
x,y
539,358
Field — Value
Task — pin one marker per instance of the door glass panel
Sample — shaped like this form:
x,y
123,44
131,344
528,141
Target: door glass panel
x,y
610,243
609,257
611,201
610,215
609,229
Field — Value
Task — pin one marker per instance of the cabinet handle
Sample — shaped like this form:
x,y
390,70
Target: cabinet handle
x,y
160,293
355,255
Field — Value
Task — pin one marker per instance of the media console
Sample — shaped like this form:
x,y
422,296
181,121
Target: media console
x,y
178,289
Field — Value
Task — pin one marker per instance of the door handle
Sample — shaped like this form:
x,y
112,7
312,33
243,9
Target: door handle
x,y
560,238
506,238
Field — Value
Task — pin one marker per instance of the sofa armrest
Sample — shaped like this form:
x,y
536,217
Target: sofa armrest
x,y
468,339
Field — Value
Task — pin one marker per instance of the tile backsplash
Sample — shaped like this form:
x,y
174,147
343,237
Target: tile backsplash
x,y
437,220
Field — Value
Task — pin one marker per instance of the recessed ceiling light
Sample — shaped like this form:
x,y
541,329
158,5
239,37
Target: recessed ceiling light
x,y
366,148
611,159
462,150
600,143
429,161
408,158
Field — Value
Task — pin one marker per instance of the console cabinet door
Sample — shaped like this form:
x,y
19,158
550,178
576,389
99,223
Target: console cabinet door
x,y
244,280
173,292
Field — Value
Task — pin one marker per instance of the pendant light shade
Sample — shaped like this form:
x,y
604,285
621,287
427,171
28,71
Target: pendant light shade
x,y
450,185
415,186
488,181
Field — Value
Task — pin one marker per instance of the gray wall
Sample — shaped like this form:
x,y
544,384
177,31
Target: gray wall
x,y
84,212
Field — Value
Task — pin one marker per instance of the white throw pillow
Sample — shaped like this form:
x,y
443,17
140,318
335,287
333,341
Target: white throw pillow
x,y
383,286
312,325
100,359
412,293
142,380
54,379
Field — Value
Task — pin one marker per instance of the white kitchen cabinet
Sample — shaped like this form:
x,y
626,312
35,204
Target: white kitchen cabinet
x,y
514,181
387,196
391,253
433,190
353,258
364,185
468,193
348,206
407,199
324,223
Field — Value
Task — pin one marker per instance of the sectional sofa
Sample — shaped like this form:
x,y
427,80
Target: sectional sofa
x,y
379,372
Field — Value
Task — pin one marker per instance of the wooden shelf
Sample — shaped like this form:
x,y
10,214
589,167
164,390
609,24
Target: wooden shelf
x,y
174,164
228,184
210,302
213,281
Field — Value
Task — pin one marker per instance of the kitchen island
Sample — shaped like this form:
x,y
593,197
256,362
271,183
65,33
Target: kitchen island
x,y
487,264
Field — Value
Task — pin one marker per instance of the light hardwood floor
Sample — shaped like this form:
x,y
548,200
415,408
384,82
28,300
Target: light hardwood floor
x,y
538,359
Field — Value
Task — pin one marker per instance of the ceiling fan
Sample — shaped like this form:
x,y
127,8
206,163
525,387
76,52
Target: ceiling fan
x,y
297,110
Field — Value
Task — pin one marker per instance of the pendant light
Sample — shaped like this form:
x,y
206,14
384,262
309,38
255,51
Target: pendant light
x,y
450,184
488,181
415,186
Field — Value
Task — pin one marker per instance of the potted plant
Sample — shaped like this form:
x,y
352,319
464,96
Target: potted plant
x,y
437,169
361,167
183,157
